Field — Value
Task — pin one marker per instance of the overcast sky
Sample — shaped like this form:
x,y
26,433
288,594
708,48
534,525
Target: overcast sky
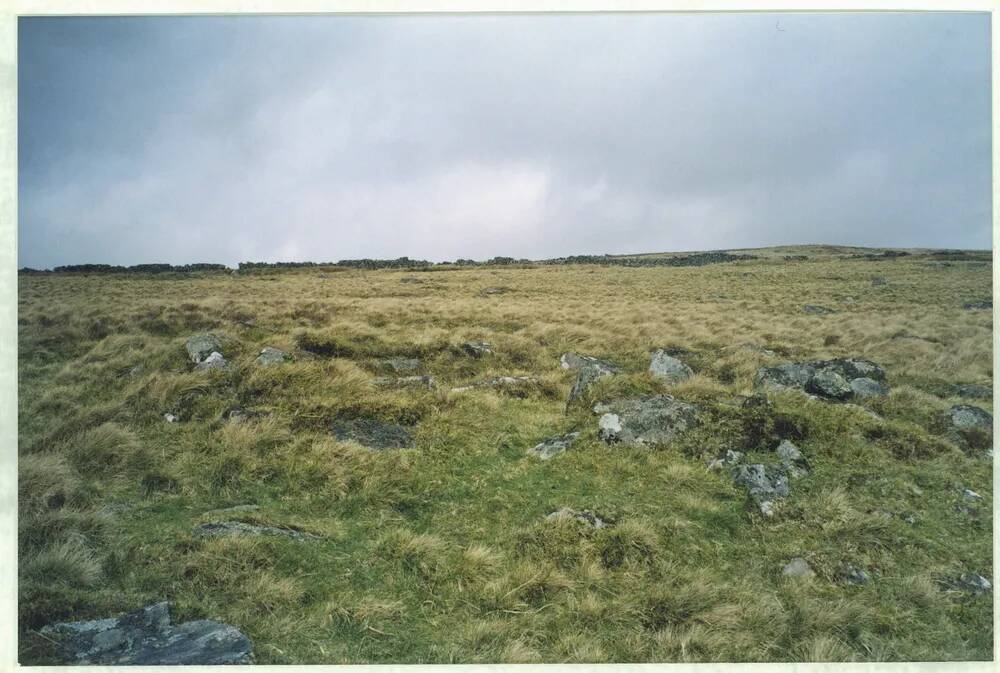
x,y
228,139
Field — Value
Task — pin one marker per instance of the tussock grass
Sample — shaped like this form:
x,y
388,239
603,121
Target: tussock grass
x,y
442,553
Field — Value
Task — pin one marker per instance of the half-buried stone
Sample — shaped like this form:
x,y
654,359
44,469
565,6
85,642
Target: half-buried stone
x,y
200,346
969,427
146,637
586,517
576,361
645,421
240,528
792,459
669,369
554,446
271,356
213,361
372,433
589,374
427,382
764,485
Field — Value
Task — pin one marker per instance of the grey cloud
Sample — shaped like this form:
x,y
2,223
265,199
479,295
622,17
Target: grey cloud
x,y
323,138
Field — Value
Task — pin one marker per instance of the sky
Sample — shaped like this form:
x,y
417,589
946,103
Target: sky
x,y
320,138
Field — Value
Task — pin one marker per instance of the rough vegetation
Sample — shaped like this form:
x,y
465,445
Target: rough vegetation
x,y
331,519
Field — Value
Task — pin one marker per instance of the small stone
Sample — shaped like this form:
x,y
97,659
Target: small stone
x,y
588,375
980,305
554,446
851,574
476,349
171,418
967,417
970,495
817,310
797,567
609,428
213,361
585,517
508,383
575,361
427,382
879,280
487,291
729,459
792,459
974,584
411,279
201,346
668,369
271,356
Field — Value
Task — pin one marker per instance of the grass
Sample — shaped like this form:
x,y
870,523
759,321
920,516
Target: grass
x,y
442,553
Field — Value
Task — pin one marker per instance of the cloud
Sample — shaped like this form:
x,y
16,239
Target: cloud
x,y
324,138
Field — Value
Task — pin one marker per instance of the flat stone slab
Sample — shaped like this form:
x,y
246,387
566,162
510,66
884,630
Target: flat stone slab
x,y
400,364
427,382
554,446
146,637
576,361
271,356
238,528
496,382
373,433
645,421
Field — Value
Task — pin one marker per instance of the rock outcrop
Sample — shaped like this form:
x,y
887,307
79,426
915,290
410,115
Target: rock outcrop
x,y
200,346
147,637
840,379
645,421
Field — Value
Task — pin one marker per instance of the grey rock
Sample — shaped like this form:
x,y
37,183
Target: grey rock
x,y
817,310
796,568
147,638
576,361
400,364
668,369
502,382
879,280
763,484
588,375
970,495
585,517
411,279
487,291
427,382
972,391
851,574
372,433
213,361
171,418
830,379
239,528
967,417
729,459
792,459
553,446
645,421
980,305
271,356
201,346
866,387
974,584
476,349
829,384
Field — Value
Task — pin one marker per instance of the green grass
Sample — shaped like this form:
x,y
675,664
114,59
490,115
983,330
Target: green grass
x,y
441,554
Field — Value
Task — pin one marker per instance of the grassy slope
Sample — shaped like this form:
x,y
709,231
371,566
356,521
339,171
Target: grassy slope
x,y
440,553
